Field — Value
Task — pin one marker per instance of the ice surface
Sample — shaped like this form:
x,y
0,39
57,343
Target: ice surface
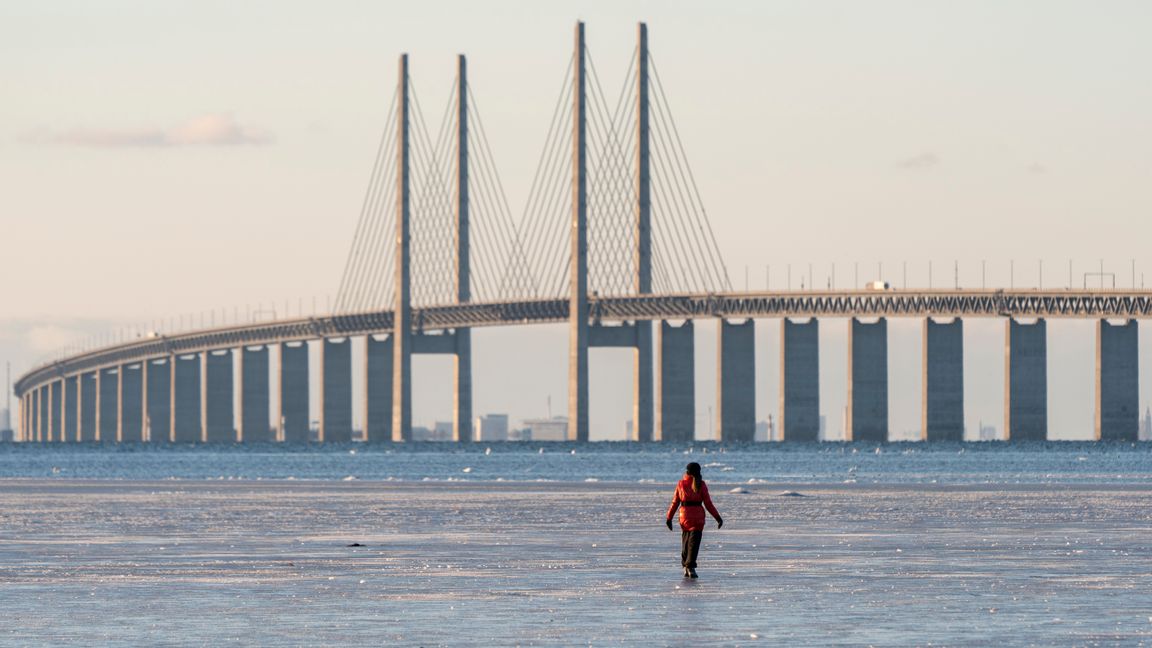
x,y
140,562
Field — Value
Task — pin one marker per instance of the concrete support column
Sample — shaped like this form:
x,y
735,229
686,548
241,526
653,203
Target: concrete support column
x,y
87,407
22,425
336,391
41,415
1117,381
55,400
736,382
1026,372
98,404
294,423
187,394
68,409
255,396
643,415
800,380
109,405
942,381
868,381
378,389
462,396
131,415
676,384
219,398
44,435
158,401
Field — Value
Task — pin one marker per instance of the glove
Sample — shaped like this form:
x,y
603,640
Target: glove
x,y
719,523
668,522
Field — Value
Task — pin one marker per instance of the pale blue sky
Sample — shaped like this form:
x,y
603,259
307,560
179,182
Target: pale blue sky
x,y
819,132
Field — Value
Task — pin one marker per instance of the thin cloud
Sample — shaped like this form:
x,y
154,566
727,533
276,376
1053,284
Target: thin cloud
x,y
921,162
216,129
1037,169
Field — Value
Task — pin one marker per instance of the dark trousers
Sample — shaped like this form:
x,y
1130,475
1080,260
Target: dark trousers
x,y
690,547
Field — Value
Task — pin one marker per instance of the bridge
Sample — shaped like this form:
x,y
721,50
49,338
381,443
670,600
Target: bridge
x,y
614,240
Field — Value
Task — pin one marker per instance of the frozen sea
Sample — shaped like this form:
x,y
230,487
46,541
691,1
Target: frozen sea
x,y
556,544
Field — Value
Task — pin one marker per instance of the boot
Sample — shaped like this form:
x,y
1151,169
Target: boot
x,y
692,573
687,573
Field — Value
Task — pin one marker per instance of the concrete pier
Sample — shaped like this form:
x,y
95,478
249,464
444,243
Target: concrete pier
x,y
254,396
868,381
942,382
1117,381
800,380
462,387
86,408
336,391
1026,372
294,424
158,401
676,383
68,408
55,409
187,392
736,382
42,421
109,405
378,389
131,415
219,398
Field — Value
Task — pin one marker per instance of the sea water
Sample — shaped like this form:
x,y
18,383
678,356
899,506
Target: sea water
x,y
906,463
559,544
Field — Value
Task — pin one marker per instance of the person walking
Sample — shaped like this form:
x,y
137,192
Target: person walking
x,y
691,498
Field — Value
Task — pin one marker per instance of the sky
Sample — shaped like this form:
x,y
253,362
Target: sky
x,y
168,160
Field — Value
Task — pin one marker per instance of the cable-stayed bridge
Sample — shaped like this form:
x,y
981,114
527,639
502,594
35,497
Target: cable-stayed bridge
x,y
614,240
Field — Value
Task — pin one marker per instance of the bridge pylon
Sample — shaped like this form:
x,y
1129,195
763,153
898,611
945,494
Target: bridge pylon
x,y
642,378
402,313
578,268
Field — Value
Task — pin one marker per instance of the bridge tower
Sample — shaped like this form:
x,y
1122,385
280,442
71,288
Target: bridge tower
x,y
462,392
402,313
642,413
578,270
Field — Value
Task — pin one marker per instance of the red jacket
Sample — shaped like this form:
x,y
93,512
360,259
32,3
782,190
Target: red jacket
x,y
688,501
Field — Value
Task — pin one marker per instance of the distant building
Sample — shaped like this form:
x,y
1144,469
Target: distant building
x,y
988,432
772,429
762,435
6,433
823,426
547,429
441,432
1146,426
491,427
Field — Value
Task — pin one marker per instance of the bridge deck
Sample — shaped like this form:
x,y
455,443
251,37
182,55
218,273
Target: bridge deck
x,y
1081,304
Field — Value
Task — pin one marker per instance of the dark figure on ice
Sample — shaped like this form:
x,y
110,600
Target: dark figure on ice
x,y
691,498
